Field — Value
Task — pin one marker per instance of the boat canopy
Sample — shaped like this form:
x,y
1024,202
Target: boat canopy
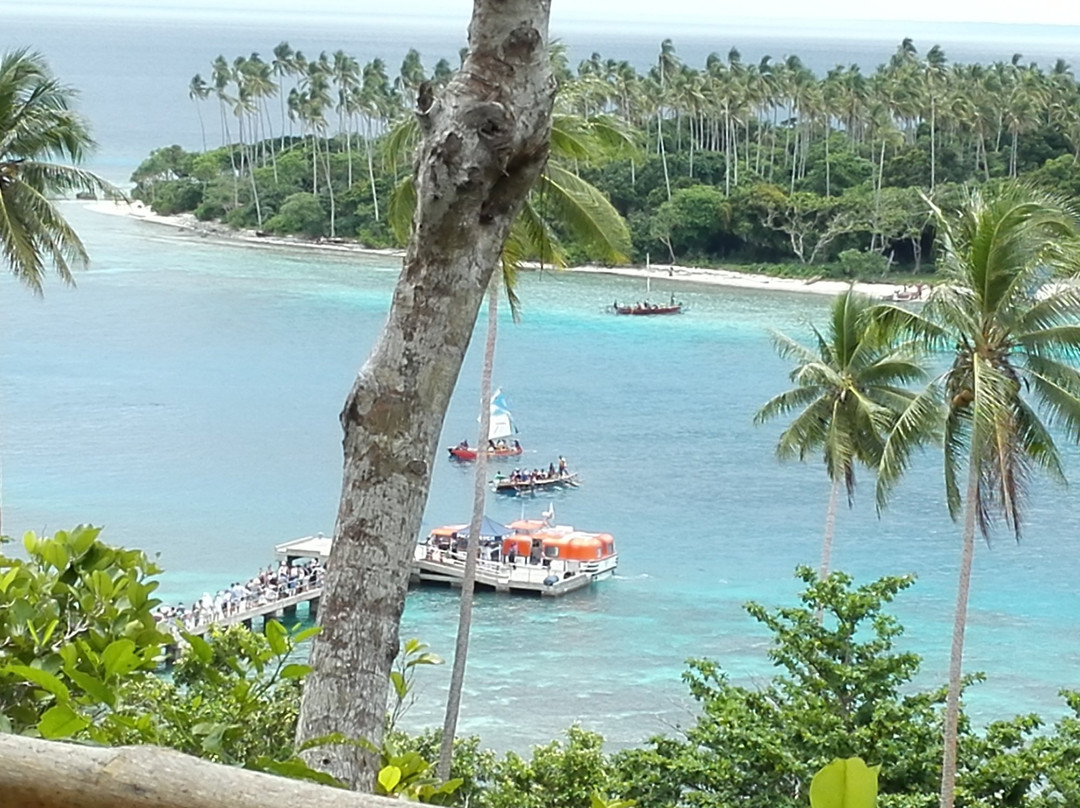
x,y
489,528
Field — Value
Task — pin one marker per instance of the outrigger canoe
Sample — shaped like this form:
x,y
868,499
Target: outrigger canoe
x,y
646,309
529,485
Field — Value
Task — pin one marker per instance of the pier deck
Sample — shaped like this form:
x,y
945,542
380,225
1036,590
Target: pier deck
x,y
284,606
437,566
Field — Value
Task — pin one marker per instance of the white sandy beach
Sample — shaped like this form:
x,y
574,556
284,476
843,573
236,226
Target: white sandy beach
x,y
715,277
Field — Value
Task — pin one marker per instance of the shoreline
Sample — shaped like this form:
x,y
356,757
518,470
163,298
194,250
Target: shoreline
x,y
674,272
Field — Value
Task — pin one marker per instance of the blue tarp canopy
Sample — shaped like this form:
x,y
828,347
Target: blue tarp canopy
x,y
489,528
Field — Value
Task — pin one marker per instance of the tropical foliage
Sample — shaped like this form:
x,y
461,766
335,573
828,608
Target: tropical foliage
x,y
38,127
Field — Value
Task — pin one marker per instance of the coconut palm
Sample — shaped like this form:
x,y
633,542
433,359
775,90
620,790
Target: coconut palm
x,y
848,393
198,90
37,126
1013,335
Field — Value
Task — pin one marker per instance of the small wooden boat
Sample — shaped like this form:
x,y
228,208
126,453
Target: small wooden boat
x,y
500,435
645,309
531,483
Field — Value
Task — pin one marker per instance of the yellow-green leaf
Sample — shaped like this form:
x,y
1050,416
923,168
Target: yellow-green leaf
x,y
844,783
389,777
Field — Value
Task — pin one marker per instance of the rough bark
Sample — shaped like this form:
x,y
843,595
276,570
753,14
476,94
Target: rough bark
x,y
468,583
485,139
47,774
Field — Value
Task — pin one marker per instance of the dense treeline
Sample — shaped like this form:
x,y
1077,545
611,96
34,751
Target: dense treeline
x,y
735,162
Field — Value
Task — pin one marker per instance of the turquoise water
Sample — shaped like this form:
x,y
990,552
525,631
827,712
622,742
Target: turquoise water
x,y
186,395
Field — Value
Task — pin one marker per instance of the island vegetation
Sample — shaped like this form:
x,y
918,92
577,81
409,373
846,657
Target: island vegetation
x,y
762,165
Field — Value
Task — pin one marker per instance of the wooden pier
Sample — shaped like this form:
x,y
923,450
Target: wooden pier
x,y
430,566
284,607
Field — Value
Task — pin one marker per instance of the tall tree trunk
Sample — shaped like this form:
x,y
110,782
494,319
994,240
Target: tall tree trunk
x,y
663,152
956,656
371,172
202,125
468,584
933,145
828,168
330,191
830,528
485,139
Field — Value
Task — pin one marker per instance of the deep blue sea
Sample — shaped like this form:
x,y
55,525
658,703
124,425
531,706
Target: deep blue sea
x,y
186,395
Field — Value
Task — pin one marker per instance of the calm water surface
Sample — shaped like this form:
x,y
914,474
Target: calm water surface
x,y
186,395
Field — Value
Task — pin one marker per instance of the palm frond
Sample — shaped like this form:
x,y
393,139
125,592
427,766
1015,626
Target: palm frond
x,y
787,348
807,432
586,213
1058,393
786,402
400,142
402,207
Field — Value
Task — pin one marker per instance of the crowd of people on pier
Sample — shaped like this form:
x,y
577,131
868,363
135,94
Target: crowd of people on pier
x,y
270,585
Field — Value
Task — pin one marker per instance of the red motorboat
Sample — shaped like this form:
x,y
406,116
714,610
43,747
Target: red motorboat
x,y
465,452
500,443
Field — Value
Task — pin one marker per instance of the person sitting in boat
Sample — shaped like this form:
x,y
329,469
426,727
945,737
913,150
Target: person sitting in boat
x,y
491,445
463,445
551,469
501,445
517,446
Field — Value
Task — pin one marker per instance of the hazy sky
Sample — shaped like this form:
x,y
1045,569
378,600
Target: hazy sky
x,y
783,12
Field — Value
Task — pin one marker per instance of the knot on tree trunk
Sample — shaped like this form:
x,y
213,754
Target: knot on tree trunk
x,y
521,42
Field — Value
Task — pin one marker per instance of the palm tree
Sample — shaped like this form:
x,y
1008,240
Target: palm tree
x,y
934,77
221,76
282,66
849,396
198,90
1013,335
37,126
